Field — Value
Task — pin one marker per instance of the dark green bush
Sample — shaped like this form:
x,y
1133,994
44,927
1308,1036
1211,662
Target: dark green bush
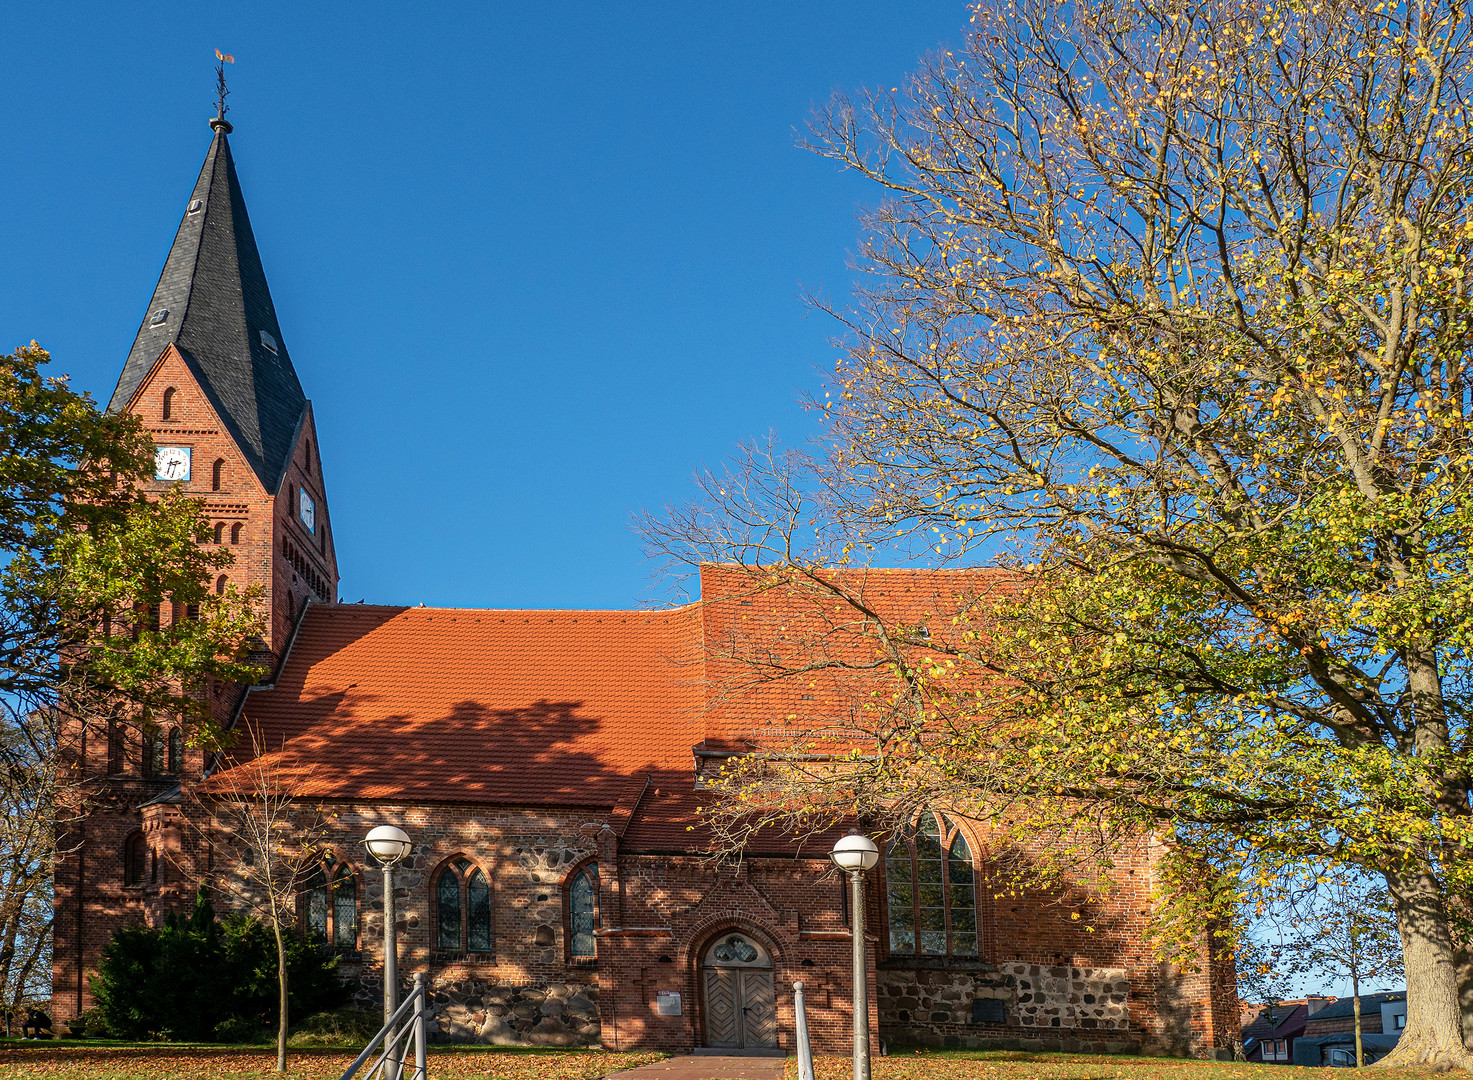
x,y
337,1027
237,1029
186,980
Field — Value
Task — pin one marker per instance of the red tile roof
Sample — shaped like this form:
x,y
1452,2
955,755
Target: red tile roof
x,y
459,705
562,708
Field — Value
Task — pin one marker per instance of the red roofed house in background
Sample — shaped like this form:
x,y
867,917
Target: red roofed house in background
x,y
549,767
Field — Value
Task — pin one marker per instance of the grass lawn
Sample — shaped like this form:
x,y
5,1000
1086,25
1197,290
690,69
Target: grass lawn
x,y
133,1061
1014,1065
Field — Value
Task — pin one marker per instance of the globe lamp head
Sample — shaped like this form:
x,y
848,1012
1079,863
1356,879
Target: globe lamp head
x,y
388,844
855,852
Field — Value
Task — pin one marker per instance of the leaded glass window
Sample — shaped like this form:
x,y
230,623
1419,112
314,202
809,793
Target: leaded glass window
x,y
176,749
447,903
462,908
153,751
478,912
583,911
345,908
931,890
314,902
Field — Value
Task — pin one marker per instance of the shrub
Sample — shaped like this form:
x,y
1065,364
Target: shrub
x,y
237,1029
89,1025
337,1027
194,976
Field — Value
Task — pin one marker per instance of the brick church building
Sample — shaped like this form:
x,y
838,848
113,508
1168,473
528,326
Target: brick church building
x,y
549,767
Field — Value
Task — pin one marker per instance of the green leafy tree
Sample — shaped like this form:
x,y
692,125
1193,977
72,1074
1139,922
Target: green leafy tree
x,y
1166,310
106,617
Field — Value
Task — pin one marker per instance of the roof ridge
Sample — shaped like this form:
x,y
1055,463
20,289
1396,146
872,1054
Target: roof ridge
x,y
508,611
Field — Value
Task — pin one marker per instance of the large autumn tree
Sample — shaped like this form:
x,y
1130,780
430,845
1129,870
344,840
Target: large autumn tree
x,y
1166,308
106,619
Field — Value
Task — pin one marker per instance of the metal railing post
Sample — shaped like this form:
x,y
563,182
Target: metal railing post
x,y
420,1012
800,1022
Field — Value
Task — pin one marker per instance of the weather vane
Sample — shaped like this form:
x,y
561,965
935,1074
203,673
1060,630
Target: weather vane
x,y
221,90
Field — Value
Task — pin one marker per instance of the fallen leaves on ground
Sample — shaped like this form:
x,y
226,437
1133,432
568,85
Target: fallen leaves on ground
x,y
1012,1065
233,1063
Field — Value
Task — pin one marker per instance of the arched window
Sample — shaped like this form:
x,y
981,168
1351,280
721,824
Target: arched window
x,y
168,413
291,607
235,533
135,859
176,749
329,912
931,890
345,907
478,913
313,900
583,912
307,456
219,532
462,908
220,585
153,751
116,746
217,475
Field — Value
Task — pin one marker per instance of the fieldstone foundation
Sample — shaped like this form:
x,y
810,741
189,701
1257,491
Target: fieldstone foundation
x,y
1013,1006
555,1014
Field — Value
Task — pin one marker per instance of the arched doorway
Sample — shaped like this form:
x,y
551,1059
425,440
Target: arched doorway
x,y
740,1002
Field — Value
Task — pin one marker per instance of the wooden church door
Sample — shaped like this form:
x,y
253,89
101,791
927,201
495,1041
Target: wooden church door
x,y
741,1001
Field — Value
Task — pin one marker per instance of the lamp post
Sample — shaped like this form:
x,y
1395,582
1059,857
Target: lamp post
x,y
854,854
389,844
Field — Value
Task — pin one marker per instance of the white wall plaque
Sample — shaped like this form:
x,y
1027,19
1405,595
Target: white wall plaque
x,y
667,1003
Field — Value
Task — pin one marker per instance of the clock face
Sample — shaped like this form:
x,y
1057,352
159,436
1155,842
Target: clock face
x,y
307,511
171,463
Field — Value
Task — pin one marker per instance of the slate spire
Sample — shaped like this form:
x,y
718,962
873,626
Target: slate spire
x,y
213,305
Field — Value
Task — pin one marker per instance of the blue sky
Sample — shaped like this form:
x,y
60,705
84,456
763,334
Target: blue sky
x,y
535,263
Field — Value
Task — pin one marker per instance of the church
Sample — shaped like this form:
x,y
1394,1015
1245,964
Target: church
x,y
550,768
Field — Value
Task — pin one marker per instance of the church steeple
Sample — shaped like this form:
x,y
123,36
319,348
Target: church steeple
x,y
213,305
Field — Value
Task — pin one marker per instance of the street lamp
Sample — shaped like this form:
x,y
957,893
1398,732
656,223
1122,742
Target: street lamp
x,y
389,844
854,854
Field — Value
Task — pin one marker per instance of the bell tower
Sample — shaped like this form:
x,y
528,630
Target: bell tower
x,y
210,376
211,379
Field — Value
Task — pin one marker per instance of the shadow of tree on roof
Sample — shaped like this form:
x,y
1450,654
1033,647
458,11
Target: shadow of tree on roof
x,y
537,753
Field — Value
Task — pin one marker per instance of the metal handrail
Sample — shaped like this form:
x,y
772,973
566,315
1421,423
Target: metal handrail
x,y
391,1068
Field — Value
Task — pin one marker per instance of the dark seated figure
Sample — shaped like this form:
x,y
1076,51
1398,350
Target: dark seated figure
x,y
36,1022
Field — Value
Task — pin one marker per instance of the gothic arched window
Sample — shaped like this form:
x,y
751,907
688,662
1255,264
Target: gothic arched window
x,y
462,908
135,859
220,585
313,900
235,533
153,751
217,475
117,742
219,532
168,413
583,912
345,907
931,890
176,749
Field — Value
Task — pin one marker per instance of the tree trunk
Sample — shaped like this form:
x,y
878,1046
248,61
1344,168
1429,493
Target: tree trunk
x,y
281,1017
1434,1031
1464,959
1360,1056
